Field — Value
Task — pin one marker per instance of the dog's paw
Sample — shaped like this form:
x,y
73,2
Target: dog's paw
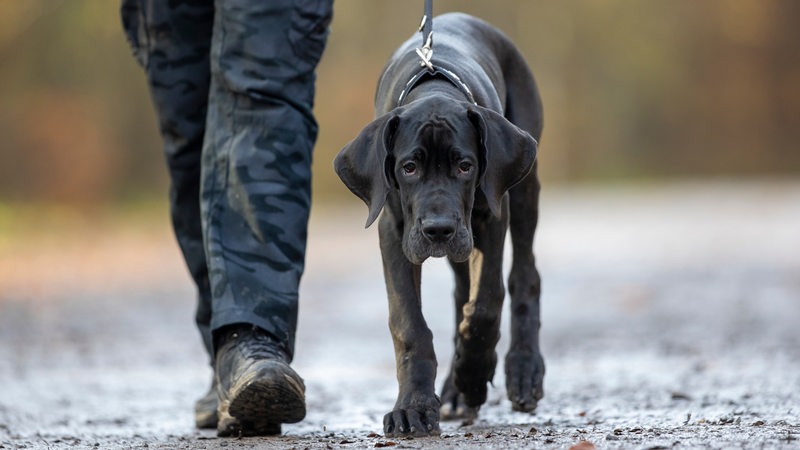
x,y
454,406
472,390
458,410
524,379
471,373
414,420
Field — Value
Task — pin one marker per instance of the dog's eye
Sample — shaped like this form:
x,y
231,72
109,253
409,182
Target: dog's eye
x,y
409,168
464,166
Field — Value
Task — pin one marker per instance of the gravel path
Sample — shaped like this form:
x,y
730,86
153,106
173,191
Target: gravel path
x,y
671,319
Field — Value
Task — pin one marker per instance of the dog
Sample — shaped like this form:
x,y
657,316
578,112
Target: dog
x,y
450,159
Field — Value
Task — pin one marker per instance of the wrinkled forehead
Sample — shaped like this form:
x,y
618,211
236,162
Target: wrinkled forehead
x,y
436,129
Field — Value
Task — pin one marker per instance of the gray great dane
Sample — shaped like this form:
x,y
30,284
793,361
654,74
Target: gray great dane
x,y
451,161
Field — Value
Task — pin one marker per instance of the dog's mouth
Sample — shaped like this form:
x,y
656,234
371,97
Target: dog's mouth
x,y
420,244
438,250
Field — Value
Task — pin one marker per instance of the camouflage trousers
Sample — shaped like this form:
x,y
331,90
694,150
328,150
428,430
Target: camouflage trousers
x,y
232,82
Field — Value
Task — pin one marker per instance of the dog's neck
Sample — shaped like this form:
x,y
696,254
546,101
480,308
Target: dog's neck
x,y
435,87
438,76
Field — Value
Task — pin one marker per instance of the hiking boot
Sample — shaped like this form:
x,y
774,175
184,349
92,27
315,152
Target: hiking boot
x,y
257,389
205,408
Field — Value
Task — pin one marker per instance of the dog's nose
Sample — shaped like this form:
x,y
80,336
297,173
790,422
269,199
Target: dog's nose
x,y
438,229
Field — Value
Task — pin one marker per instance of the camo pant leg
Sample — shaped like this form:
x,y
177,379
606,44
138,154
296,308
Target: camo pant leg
x,y
172,40
256,171
256,150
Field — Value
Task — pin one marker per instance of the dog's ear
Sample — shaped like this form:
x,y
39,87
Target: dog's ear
x,y
508,153
364,163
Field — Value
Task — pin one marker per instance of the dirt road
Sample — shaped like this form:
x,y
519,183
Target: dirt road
x,y
671,319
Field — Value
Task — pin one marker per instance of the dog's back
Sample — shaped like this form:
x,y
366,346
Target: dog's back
x,y
480,55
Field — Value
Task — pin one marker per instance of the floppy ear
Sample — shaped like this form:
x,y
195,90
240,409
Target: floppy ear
x,y
363,164
508,154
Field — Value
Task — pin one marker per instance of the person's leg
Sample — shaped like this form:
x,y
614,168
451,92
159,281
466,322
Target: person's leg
x,y
255,200
172,40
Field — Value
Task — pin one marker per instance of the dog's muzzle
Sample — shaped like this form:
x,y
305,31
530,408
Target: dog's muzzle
x,y
437,237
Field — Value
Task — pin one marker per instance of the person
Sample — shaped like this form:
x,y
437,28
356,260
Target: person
x,y
232,82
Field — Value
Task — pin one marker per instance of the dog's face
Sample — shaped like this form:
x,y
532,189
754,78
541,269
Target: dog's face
x,y
437,156
434,165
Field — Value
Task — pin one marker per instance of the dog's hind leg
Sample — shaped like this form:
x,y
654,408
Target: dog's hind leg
x,y
524,365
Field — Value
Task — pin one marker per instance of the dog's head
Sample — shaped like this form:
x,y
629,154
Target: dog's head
x,y
436,155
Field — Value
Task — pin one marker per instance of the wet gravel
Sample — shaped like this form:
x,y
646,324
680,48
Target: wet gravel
x,y
671,319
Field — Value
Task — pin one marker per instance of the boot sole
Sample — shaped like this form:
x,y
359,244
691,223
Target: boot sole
x,y
272,395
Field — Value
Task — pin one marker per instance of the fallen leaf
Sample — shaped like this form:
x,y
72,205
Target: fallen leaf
x,y
583,445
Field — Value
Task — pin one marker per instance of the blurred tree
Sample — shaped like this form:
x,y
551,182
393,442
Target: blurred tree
x,y
630,88
75,116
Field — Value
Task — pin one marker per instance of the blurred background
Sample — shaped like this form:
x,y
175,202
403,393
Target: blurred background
x,y
635,93
632,90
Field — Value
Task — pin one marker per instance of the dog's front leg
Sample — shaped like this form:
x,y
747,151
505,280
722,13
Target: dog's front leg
x,y
416,411
475,358
524,363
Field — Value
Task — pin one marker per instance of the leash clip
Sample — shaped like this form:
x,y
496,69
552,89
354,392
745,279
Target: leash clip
x,y
425,53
